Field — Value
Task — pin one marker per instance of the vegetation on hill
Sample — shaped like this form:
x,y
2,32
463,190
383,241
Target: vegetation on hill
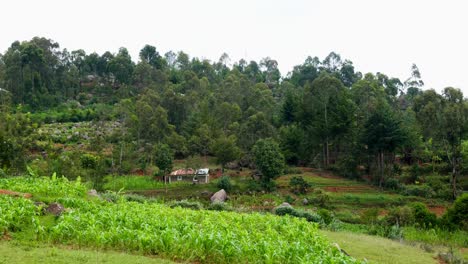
x,y
389,157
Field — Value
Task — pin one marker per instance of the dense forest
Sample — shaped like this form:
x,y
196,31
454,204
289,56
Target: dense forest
x,y
323,114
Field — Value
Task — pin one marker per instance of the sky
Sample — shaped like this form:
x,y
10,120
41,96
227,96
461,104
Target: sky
x,y
385,36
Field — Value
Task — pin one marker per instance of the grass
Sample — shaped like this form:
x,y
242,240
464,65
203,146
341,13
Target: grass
x,y
378,250
437,236
135,182
18,254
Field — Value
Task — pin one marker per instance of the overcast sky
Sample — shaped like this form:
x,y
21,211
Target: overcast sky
x,y
378,36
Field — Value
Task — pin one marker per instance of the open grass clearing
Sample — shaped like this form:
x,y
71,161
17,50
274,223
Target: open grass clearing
x,y
20,254
379,250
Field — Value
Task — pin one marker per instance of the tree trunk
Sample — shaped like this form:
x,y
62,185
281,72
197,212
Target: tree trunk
x,y
454,176
381,165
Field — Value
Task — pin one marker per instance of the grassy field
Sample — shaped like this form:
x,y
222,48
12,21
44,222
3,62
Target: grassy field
x,y
18,254
379,250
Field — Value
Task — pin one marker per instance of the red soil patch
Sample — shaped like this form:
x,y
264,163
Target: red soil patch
x,y
15,194
356,189
438,210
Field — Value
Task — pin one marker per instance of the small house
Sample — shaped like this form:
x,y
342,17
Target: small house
x,y
189,175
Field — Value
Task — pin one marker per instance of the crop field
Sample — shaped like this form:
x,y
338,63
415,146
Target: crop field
x,y
156,229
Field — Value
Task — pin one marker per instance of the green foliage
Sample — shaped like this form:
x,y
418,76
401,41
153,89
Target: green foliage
x,y
327,216
320,198
219,206
370,216
225,150
308,215
456,216
16,213
89,161
223,237
45,186
422,216
164,158
224,183
299,185
400,216
187,204
135,182
422,190
269,160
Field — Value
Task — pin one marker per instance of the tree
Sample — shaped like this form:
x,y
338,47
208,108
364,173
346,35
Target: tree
x,y
122,66
269,161
453,129
149,55
382,134
225,149
327,112
299,185
163,158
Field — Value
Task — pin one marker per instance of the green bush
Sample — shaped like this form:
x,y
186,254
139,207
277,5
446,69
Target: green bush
x,y
312,217
136,198
326,215
456,216
309,216
219,206
299,185
289,199
400,216
422,190
292,170
422,215
286,210
392,184
321,198
187,204
225,183
370,216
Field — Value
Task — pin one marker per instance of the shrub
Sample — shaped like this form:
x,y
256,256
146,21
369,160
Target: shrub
x,y
136,198
456,216
392,184
292,170
254,186
370,215
111,196
321,198
422,215
419,190
299,185
312,217
187,204
286,210
309,216
225,183
400,216
268,185
289,199
326,215
219,206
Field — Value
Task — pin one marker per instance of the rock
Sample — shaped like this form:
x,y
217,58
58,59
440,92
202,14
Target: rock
x,y
55,209
93,193
219,196
305,201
